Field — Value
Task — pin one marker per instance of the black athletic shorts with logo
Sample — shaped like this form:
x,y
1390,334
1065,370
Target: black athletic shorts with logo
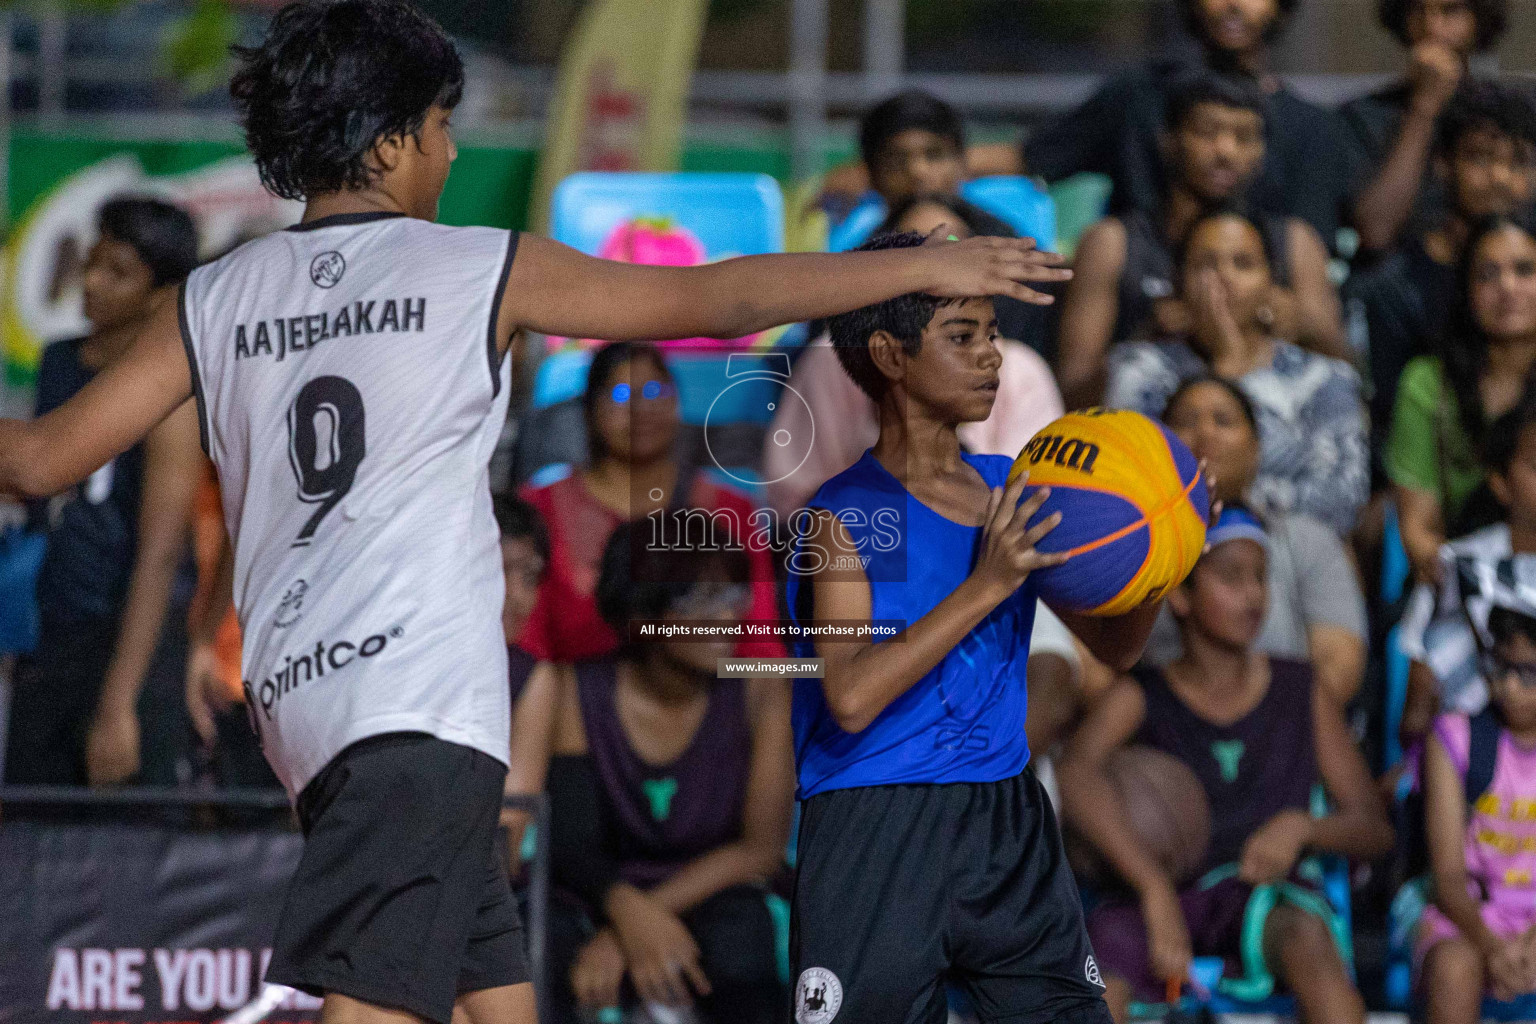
x,y
904,888
401,896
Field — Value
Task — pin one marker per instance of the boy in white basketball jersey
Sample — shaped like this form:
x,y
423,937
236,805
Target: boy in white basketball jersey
x,y
350,379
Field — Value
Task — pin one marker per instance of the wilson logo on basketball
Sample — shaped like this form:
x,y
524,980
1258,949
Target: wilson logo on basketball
x,y
1067,452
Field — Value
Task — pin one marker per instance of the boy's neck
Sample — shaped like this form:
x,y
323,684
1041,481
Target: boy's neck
x,y
912,444
1218,666
1253,62
332,204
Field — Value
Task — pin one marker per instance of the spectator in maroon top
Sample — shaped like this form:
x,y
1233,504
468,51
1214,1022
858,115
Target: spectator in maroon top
x,y
633,471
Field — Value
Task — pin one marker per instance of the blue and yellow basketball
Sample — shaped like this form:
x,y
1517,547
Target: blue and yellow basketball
x,y
1133,509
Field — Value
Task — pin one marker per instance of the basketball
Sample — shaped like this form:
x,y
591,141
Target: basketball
x,y
1133,509
1165,807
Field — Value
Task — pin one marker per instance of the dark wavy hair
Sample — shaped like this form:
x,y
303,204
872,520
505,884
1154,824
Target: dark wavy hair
x,y
1224,90
604,361
1463,348
976,220
1492,18
517,520
1484,105
1236,209
330,80
912,108
639,582
1244,403
160,233
903,318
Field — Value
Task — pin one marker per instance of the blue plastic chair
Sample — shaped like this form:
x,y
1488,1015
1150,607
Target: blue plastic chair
x,y
1015,200
731,214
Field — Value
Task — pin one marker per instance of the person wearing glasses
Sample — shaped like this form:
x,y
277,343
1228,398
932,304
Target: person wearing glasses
x,y
1479,934
671,794
631,413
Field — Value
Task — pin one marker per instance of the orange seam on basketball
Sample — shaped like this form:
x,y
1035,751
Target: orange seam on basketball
x,y
1145,520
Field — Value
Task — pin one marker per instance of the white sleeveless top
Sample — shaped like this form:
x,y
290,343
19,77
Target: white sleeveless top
x,y
350,394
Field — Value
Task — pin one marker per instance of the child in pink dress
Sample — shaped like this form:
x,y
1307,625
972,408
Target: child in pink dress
x,y
1479,934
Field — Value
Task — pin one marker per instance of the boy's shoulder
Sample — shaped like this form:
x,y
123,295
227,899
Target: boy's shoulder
x,y
851,487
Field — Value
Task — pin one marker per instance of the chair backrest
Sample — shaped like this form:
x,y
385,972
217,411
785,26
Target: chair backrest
x,y
1015,200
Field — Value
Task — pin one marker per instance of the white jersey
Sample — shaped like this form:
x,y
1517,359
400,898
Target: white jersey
x,y
350,393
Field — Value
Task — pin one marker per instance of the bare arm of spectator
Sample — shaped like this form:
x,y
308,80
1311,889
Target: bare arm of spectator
x,y
1091,803
205,685
1319,315
1419,521
1445,827
533,737
1384,205
1338,658
1331,605
1357,825
765,821
1088,313
1420,705
990,158
173,465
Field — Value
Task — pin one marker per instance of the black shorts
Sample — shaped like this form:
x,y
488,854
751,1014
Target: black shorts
x,y
401,897
904,888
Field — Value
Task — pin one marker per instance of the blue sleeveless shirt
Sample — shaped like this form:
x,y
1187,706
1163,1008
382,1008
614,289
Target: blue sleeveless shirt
x,y
964,720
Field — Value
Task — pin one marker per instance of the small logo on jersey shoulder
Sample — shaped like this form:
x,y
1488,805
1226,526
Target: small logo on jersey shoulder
x,y
326,269
291,608
818,996
1091,972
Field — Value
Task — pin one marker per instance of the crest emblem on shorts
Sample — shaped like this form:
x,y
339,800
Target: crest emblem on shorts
x,y
818,996
326,269
1091,972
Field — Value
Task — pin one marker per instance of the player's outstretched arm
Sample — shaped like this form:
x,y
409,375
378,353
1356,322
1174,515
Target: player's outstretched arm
x,y
862,678
110,414
556,290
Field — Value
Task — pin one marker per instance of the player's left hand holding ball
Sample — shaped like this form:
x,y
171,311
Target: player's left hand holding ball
x,y
983,266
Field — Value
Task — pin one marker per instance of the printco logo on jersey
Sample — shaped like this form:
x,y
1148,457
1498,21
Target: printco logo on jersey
x,y
326,269
818,996
295,671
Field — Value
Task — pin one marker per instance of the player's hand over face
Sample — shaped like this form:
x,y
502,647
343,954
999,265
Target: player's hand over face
x,y
663,958
980,267
1168,946
1008,542
1273,850
598,971
112,746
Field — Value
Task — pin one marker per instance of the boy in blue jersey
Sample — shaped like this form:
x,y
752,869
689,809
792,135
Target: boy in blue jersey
x,y
927,854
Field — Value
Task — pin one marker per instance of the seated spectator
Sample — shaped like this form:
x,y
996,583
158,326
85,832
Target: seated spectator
x,y
1484,153
671,794
101,699
1394,127
1436,632
630,408
1445,402
1259,734
1124,267
1308,167
1313,454
1479,934
1315,611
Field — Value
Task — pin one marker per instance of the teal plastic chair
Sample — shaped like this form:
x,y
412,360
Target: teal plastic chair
x,y
1015,200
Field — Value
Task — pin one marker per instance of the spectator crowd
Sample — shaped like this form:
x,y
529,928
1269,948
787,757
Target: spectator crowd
x,y
1334,309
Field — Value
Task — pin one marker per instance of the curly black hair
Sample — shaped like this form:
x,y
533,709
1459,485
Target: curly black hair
x,y
330,80
1492,18
903,318
1192,89
1485,105
911,108
161,233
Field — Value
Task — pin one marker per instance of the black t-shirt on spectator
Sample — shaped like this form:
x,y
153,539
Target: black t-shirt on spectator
x,y
1309,171
93,528
1371,123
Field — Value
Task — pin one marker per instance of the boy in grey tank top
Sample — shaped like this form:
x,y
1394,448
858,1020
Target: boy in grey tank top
x,y
350,378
